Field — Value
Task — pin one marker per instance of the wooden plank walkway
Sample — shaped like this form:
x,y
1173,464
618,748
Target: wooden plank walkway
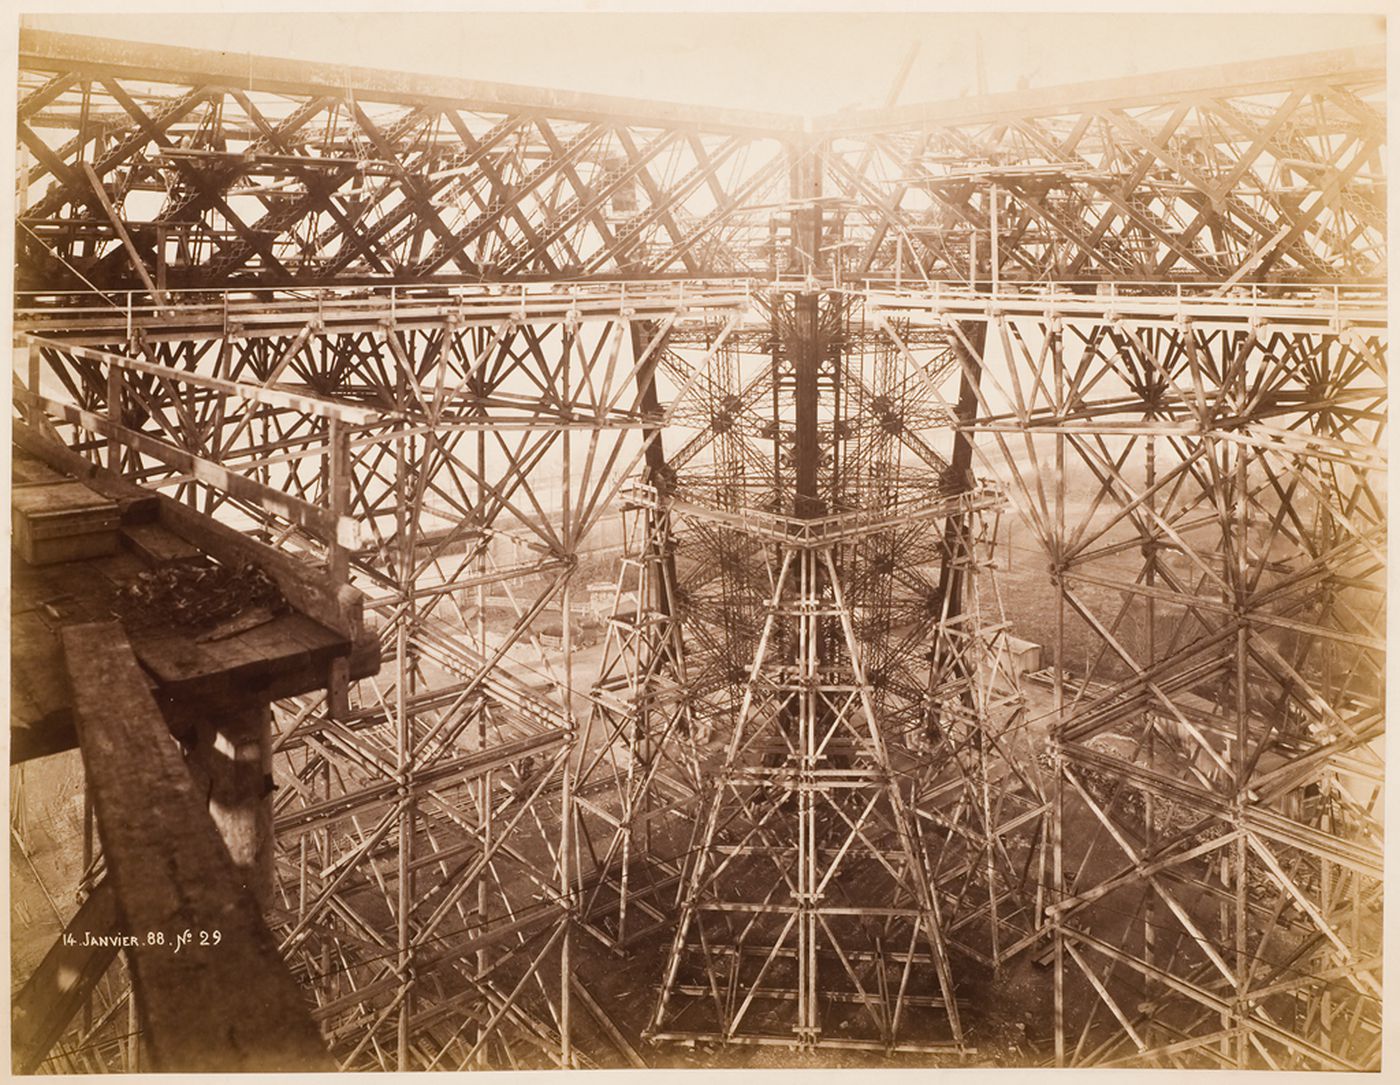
x,y
200,670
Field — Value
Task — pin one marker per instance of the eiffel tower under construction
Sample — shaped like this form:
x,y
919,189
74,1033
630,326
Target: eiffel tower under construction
x,y
511,578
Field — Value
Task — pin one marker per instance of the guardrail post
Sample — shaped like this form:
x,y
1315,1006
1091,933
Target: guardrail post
x,y
114,414
35,410
337,554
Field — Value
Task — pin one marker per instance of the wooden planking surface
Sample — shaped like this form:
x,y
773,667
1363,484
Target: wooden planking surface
x,y
226,1007
42,599
154,545
285,656
27,471
307,588
230,670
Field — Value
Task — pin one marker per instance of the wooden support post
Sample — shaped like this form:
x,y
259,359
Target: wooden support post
x,y
404,455
23,161
485,788
35,413
1057,800
114,412
1240,764
1149,797
231,762
566,812
996,239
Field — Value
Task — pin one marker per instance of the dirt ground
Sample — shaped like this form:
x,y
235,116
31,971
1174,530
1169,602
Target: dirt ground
x,y
1004,1015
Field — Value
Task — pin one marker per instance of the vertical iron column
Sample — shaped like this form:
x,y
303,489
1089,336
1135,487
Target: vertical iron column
x,y
807,347
660,553
806,363
959,478
957,545
950,577
658,471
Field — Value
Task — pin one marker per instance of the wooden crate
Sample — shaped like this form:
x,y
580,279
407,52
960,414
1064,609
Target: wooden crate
x,y
62,521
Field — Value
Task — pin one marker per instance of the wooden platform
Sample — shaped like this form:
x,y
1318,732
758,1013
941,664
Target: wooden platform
x,y
114,649
214,668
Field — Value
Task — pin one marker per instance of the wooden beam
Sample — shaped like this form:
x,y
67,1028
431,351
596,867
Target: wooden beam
x,y
339,607
230,1004
64,979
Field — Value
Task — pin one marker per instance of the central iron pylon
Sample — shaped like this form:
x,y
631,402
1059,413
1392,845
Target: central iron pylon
x,y
807,911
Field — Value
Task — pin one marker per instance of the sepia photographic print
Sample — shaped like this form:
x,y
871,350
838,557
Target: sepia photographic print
x,y
680,540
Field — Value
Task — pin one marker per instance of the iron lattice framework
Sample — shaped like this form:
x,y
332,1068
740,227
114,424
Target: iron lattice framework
x,y
273,175
434,333
814,903
1217,778
1267,172
357,179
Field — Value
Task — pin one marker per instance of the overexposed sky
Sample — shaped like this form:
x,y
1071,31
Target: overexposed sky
x,y
806,62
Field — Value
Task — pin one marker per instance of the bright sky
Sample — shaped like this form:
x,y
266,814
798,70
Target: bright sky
x,y
807,62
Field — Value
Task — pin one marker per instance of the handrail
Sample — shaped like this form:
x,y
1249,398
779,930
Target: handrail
x,y
821,530
236,312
